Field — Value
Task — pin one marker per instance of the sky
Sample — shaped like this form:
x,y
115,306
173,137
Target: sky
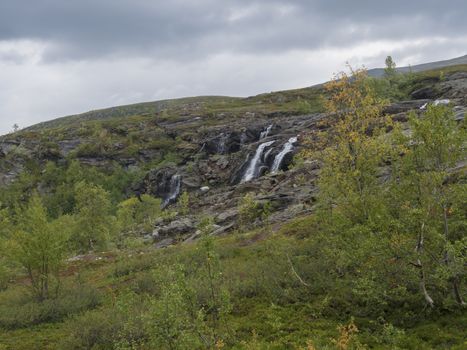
x,y
66,57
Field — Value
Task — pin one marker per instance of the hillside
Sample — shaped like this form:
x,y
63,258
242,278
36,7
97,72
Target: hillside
x,y
200,223
379,72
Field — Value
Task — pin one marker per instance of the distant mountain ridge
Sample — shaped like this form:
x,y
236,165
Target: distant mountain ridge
x,y
379,72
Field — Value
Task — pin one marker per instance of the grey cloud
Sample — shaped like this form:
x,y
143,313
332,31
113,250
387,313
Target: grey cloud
x,y
61,57
180,30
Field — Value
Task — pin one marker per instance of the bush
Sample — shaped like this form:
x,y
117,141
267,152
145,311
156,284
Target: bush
x,y
93,330
250,211
18,309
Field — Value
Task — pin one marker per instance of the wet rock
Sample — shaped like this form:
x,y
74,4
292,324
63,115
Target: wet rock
x,y
223,143
157,182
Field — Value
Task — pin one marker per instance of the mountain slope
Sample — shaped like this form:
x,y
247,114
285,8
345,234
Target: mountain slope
x,y
379,72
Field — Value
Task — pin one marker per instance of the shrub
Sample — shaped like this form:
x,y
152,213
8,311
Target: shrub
x,y
250,211
93,330
18,309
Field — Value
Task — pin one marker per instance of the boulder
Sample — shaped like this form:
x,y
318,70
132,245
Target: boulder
x,y
204,189
227,215
176,227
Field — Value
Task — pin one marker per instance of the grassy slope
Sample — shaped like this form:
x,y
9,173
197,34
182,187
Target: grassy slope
x,y
278,324
289,100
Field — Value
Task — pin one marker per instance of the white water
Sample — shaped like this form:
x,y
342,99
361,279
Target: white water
x,y
266,155
265,133
221,145
175,185
252,170
288,147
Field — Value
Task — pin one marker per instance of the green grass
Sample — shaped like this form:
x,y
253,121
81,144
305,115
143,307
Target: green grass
x,y
271,310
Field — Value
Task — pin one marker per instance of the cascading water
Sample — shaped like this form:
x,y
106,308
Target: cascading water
x,y
175,186
222,142
266,155
265,133
252,170
288,147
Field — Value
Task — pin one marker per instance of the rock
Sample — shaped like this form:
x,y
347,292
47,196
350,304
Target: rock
x,y
166,242
191,182
223,143
67,146
223,163
76,258
287,160
192,237
228,215
404,106
204,189
160,183
176,227
428,92
460,114
456,76
222,229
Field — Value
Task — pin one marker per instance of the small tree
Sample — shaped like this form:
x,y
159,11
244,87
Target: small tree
x,y
250,210
134,214
431,199
184,203
94,224
353,148
217,297
39,246
390,70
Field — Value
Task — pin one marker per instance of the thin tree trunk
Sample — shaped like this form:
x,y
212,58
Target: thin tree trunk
x,y
419,249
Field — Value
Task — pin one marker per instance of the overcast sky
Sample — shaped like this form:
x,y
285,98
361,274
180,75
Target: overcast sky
x,y
65,57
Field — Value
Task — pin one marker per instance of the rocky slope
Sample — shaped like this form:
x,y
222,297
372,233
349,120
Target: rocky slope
x,y
215,149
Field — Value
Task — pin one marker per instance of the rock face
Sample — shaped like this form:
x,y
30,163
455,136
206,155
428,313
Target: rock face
x,y
220,158
163,183
176,227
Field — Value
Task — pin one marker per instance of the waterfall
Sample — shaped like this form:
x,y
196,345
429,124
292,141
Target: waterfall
x,y
252,170
288,147
175,185
222,141
265,133
266,155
